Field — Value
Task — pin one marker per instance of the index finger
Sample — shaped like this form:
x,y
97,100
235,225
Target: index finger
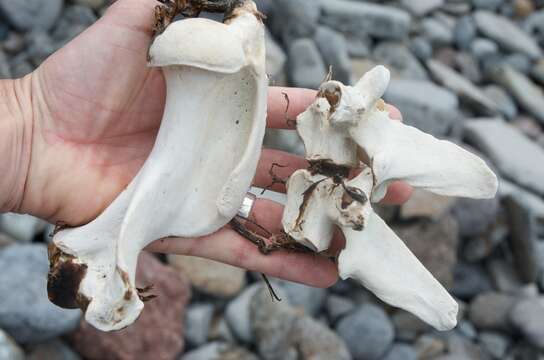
x,y
285,104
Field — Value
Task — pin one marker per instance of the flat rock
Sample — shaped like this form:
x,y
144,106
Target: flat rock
x,y
421,7
31,14
158,332
490,311
210,277
516,157
358,18
436,116
26,312
528,316
529,96
441,257
9,350
368,332
506,34
400,60
306,68
463,87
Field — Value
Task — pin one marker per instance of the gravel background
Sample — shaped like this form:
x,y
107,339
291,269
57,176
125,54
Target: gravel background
x,y
471,71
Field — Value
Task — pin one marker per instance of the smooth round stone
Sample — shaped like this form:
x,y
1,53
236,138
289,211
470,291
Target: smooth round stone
x,y
368,332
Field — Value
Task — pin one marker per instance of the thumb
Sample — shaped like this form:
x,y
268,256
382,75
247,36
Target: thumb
x,y
136,15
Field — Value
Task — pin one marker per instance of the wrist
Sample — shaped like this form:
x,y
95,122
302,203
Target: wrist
x,y
16,126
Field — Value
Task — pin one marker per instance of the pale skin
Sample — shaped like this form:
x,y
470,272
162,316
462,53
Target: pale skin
x,y
78,129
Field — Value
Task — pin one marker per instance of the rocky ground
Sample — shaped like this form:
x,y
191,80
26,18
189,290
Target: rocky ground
x,y
468,70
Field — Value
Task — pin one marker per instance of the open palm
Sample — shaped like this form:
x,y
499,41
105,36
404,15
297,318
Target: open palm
x,y
97,108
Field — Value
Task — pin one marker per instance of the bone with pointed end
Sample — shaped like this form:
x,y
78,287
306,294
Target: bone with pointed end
x,y
348,127
197,175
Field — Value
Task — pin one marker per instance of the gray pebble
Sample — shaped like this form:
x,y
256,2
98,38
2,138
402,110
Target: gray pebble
x,y
475,216
494,343
5,71
368,332
198,319
334,49
421,7
481,48
528,316
26,313
22,228
9,350
338,306
308,298
237,314
436,117
31,14
305,65
421,48
470,280
361,18
437,32
504,102
487,4
52,350
507,34
401,352
516,157
464,32
400,59
490,311
219,351
294,19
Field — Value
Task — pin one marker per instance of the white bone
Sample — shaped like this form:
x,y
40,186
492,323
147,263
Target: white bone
x,y
200,168
382,263
346,124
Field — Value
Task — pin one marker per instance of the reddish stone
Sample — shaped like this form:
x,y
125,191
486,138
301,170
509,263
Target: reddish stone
x,y
157,334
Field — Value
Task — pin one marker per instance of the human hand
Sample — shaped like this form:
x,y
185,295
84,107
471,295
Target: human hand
x,y
96,112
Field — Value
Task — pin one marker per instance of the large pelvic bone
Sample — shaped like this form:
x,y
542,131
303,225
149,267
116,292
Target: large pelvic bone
x,y
197,175
348,127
